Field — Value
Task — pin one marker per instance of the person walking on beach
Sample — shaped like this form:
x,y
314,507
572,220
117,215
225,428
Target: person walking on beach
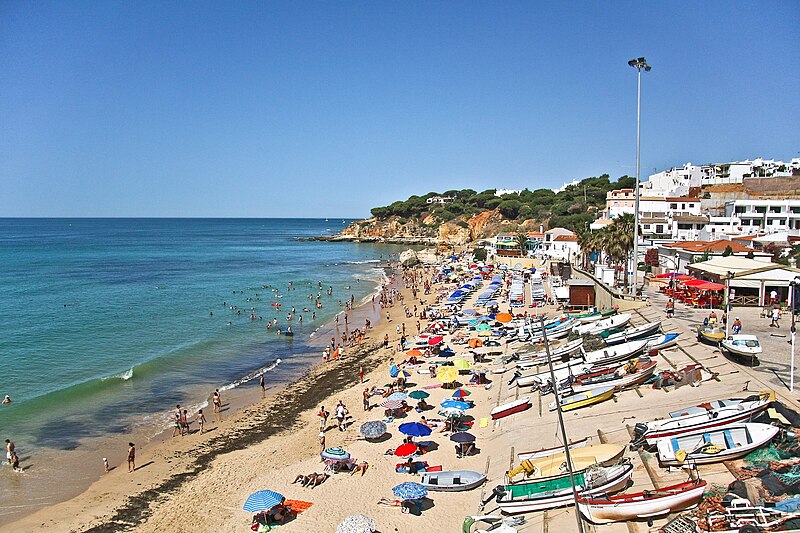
x,y
386,340
323,418
737,326
261,383
366,396
176,421
201,420
776,315
670,308
321,441
131,457
341,414
361,373
184,423
9,450
217,401
15,462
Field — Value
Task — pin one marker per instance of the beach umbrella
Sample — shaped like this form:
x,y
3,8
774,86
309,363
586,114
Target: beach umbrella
x,y
482,327
414,429
393,371
451,412
413,353
404,450
475,342
335,454
262,500
418,394
373,430
410,491
504,317
399,396
357,523
461,393
455,404
470,312
462,436
447,374
391,404
447,352
461,364
485,333
433,341
479,370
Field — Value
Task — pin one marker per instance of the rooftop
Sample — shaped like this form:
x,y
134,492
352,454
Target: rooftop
x,y
710,246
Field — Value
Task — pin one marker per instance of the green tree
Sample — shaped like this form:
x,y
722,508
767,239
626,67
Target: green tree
x,y
479,254
728,251
509,208
522,242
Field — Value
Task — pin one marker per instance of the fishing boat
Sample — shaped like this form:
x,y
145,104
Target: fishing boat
x,y
510,408
594,316
646,504
631,334
595,328
703,417
615,354
583,399
710,335
544,452
452,480
561,371
714,445
661,342
557,491
555,464
633,374
743,348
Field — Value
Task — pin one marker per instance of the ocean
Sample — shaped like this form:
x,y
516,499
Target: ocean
x,y
109,323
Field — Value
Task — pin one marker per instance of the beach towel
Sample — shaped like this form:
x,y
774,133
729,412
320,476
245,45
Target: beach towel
x,y
298,506
484,422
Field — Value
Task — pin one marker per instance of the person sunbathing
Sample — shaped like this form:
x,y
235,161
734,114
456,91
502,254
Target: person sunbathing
x,y
303,480
360,467
316,479
404,505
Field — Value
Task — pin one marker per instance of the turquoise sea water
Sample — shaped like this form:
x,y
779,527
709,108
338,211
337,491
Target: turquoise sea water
x,y
107,323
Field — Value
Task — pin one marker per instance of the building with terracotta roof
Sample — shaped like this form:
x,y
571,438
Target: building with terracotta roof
x,y
678,255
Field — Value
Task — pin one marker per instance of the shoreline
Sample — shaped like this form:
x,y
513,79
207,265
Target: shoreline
x,y
244,421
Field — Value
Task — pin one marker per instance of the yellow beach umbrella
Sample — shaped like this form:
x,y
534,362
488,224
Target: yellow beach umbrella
x,y
485,333
461,364
447,374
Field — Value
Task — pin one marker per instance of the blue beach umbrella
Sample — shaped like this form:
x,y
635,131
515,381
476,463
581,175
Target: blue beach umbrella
x,y
399,396
393,371
336,454
373,429
414,429
262,500
410,491
455,404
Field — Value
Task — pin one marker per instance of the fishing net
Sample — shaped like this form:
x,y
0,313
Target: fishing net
x,y
715,490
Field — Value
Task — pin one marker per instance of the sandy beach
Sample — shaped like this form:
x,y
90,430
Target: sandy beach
x,y
199,483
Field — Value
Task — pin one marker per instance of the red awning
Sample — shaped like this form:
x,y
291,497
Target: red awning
x,y
711,286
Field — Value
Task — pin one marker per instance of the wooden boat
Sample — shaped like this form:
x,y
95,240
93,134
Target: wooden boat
x,y
545,452
587,318
714,445
743,348
595,328
510,408
452,480
615,354
631,334
661,342
583,399
646,504
631,375
704,417
561,371
710,335
557,491
556,464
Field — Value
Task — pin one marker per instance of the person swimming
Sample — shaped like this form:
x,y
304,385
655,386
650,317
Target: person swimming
x,y
7,399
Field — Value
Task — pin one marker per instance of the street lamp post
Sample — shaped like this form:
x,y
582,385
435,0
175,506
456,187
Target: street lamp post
x,y
792,290
639,64
728,302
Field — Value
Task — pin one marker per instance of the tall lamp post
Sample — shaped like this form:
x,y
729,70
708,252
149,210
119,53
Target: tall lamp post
x,y
792,293
639,64
728,302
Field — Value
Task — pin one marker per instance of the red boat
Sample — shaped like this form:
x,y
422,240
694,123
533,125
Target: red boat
x,y
510,408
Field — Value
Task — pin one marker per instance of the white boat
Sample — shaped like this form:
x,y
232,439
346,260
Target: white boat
x,y
743,348
615,354
706,416
546,452
646,504
502,411
631,334
561,371
662,342
714,445
556,464
452,480
539,358
621,378
595,328
549,493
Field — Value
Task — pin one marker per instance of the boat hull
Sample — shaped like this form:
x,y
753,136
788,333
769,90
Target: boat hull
x,y
452,481
546,452
511,408
584,399
730,439
648,504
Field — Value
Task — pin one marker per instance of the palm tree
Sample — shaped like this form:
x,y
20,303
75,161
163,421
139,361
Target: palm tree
x,y
590,244
522,242
619,241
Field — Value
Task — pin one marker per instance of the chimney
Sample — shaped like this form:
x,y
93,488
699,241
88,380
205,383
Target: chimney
x,y
541,228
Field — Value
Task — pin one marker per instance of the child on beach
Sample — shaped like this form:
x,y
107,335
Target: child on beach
x,y
201,420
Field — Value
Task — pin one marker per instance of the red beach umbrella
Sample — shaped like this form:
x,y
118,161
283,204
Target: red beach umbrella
x,y
404,450
433,341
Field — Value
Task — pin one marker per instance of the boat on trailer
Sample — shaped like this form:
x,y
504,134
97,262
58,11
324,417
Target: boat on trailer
x,y
743,348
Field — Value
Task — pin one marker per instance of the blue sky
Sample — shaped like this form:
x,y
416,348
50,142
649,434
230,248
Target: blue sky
x,y
268,109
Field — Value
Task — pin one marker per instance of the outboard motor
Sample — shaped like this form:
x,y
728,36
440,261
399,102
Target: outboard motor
x,y
639,431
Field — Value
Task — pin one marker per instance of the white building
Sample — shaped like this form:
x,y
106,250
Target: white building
x,y
564,187
765,216
665,219
439,199
501,192
673,182
678,181
560,244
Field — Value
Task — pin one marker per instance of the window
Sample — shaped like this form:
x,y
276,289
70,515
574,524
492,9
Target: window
x,y
659,228
683,206
673,206
647,226
684,226
761,210
739,209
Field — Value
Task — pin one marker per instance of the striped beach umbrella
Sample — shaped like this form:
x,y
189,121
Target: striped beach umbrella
x,y
357,523
335,454
391,404
399,396
461,393
262,500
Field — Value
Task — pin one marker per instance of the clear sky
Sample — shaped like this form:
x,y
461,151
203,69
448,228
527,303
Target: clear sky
x,y
269,109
